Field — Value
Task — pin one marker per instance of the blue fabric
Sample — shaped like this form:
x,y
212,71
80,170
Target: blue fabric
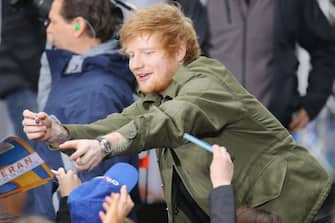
x,y
101,86
91,194
16,102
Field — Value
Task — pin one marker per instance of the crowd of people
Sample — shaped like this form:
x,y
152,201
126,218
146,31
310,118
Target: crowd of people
x,y
114,90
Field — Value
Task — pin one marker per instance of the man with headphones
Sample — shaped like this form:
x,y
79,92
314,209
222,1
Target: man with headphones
x,y
89,80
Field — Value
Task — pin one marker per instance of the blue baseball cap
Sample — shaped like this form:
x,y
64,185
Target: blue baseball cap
x,y
86,201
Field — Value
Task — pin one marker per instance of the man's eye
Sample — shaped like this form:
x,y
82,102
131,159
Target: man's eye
x,y
148,52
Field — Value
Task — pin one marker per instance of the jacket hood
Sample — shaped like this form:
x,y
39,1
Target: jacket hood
x,y
105,57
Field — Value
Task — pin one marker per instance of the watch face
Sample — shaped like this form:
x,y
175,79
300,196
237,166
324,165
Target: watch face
x,y
106,145
107,150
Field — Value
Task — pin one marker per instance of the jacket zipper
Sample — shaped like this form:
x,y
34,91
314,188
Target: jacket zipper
x,y
228,11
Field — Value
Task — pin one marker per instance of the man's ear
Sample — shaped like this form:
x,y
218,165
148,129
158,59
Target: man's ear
x,y
181,52
79,26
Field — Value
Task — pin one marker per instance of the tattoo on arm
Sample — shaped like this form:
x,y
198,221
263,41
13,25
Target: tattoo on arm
x,y
59,135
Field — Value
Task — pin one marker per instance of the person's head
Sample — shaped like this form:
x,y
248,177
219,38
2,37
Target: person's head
x,y
255,215
91,194
77,25
157,40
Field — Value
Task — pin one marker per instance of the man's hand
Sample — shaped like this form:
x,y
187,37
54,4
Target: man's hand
x,y
67,181
222,167
117,207
37,126
299,121
41,127
88,153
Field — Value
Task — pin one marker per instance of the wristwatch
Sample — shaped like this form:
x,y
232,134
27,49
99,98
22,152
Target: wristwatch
x,y
105,145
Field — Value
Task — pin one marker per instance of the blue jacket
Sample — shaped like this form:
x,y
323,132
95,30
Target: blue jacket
x,y
85,89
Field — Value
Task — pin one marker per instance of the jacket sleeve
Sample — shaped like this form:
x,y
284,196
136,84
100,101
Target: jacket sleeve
x,y
63,213
104,126
317,37
222,204
202,107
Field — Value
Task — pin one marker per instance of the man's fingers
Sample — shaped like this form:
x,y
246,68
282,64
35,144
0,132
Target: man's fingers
x,y
105,205
102,216
293,125
28,122
221,151
74,144
41,115
91,164
86,156
114,203
61,171
36,135
34,129
88,162
82,166
123,194
28,114
71,144
216,147
109,200
299,120
297,124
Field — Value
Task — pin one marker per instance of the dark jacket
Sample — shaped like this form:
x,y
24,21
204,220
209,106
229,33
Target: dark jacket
x,y
302,22
22,42
63,214
222,204
297,22
198,13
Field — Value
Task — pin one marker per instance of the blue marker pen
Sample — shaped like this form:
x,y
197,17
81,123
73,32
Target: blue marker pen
x,y
198,142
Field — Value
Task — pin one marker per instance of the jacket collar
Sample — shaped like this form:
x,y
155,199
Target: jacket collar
x,y
181,76
72,63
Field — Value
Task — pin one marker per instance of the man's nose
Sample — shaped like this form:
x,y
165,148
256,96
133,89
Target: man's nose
x,y
49,29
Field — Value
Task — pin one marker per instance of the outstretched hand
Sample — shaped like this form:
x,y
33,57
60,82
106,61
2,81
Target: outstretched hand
x,y
37,126
68,181
88,153
222,167
299,121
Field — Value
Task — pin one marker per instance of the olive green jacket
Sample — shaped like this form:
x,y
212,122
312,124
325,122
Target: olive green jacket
x,y
270,170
